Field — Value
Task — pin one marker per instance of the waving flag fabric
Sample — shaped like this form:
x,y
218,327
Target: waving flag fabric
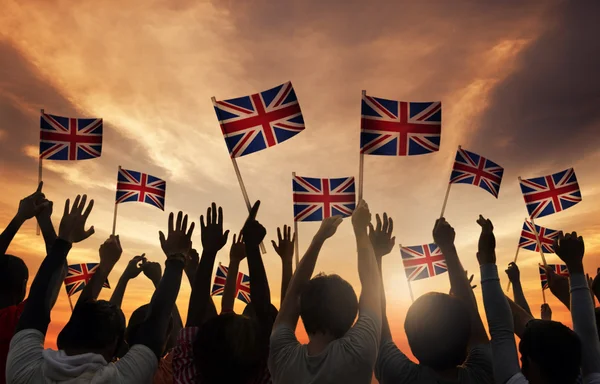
x,y
471,168
399,128
137,186
65,138
546,236
253,123
422,261
242,286
550,194
79,275
559,269
316,199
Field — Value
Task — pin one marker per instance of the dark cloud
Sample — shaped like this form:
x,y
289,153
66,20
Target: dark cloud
x,y
548,108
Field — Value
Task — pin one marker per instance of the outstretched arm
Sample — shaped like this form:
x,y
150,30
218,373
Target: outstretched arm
x,y
443,236
36,314
213,239
520,317
110,253
285,249
236,255
514,275
133,270
290,308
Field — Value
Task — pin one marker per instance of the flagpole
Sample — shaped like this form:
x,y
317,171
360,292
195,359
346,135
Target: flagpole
x,y
410,292
116,205
37,229
361,161
537,239
447,191
240,180
544,294
296,241
70,302
514,261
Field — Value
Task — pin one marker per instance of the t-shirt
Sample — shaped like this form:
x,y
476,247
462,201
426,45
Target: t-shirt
x,y
9,317
28,362
349,359
394,367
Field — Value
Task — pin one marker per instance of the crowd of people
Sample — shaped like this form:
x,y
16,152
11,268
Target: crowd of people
x,y
349,336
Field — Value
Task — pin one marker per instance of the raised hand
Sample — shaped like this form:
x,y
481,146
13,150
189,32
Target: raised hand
x,y
328,227
570,248
237,253
487,242
514,275
152,271
46,212
110,251
285,243
559,286
72,224
179,238
443,233
213,238
546,312
134,267
33,204
381,236
361,217
253,232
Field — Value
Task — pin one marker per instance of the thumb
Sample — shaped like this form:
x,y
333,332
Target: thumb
x,y
89,232
275,246
226,235
161,237
39,188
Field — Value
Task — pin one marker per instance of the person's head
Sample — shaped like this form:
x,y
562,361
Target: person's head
x,y
550,353
438,327
229,348
249,311
137,318
94,326
13,280
328,306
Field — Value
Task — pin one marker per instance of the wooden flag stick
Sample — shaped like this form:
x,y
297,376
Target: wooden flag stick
x,y
447,192
114,229
70,302
37,229
361,163
240,181
410,292
544,295
514,261
539,244
296,242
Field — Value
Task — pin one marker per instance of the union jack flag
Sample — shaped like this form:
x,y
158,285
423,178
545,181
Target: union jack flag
x,y
470,168
546,236
422,261
559,269
65,138
137,186
79,275
242,284
399,128
253,123
316,199
546,195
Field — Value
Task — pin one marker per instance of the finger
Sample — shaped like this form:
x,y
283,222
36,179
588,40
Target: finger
x,y
82,204
294,238
378,219
76,203
67,208
220,217
385,222
89,232
184,223
241,238
214,213
88,210
171,229
393,240
254,210
178,221
279,235
190,231
288,232
226,235
118,240
371,228
161,237
39,188
234,237
274,246
202,225
391,226
208,216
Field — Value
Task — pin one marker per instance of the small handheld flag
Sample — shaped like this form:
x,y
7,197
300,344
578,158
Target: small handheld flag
x,y
422,261
546,236
471,168
546,195
559,269
65,138
242,288
79,275
141,187
316,199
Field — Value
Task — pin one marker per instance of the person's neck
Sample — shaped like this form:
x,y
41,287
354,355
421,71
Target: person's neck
x,y
318,342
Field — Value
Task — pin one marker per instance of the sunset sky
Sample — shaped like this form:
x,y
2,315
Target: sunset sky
x,y
519,84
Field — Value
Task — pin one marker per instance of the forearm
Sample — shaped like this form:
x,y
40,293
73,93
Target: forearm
x,y
286,276
92,290
48,231
230,287
119,292
386,333
519,296
259,284
582,312
56,284
500,322
155,327
9,233
36,314
520,317
369,274
201,305
177,326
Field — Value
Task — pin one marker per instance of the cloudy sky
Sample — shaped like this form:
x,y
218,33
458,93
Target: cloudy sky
x,y
519,84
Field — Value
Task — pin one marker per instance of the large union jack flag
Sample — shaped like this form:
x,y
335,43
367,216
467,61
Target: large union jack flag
x,y
550,194
253,123
546,236
316,199
65,138
137,186
399,128
242,284
79,275
471,168
422,261
559,269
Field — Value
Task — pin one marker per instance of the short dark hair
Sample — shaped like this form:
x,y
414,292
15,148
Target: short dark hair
x,y
438,328
230,348
94,325
137,318
250,312
554,348
13,276
328,304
